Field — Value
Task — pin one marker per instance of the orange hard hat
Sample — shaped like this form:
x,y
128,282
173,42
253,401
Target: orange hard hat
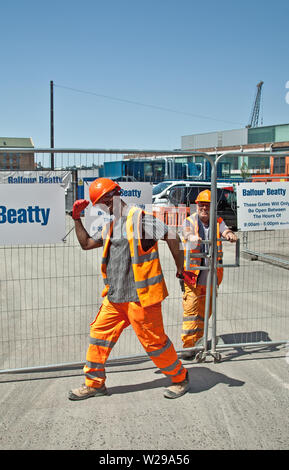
x,y
204,196
100,187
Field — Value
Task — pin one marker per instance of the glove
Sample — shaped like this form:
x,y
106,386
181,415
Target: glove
x,y
78,207
191,282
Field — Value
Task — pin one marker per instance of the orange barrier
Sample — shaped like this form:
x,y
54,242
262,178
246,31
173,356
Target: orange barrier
x,y
171,215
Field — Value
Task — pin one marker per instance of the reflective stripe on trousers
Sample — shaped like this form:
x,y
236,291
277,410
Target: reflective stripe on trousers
x,y
194,301
147,323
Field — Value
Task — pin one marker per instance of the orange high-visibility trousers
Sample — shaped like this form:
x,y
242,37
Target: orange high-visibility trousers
x,y
194,301
147,323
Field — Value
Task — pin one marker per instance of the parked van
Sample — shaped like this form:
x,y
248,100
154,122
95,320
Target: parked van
x,y
174,193
161,190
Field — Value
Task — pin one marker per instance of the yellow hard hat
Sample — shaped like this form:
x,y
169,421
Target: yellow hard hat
x,y
204,196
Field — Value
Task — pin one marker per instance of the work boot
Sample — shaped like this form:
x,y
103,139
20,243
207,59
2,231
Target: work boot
x,y
188,355
84,392
176,390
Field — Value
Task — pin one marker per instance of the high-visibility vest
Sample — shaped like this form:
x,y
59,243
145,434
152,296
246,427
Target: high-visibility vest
x,y
148,276
194,260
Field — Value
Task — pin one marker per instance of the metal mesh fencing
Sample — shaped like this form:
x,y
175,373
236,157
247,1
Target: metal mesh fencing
x,y
50,294
252,302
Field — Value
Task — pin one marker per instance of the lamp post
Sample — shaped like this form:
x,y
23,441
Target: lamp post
x,y
51,126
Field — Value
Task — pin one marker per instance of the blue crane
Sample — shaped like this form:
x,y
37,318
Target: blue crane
x,y
254,118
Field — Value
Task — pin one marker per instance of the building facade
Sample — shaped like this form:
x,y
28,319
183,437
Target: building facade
x,y
263,139
16,160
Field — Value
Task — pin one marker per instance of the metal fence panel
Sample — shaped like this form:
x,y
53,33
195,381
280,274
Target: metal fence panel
x,y
51,293
252,305
49,296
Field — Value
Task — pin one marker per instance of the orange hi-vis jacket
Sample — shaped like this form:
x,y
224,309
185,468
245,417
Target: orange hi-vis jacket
x,y
194,262
149,280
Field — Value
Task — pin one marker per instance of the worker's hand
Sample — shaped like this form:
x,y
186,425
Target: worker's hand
x,y
230,236
78,207
180,273
194,240
189,280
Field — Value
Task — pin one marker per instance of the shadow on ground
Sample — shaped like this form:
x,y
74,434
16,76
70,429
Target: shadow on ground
x,y
246,337
201,379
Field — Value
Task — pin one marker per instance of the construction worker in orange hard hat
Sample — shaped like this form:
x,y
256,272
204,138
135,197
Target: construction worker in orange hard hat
x,y
195,230
100,191
101,187
134,288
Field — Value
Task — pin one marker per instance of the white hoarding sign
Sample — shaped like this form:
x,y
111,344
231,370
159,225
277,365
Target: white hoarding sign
x,y
61,177
263,206
31,214
138,194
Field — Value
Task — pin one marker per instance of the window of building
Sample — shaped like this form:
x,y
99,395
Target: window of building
x,y
4,160
278,165
148,172
258,163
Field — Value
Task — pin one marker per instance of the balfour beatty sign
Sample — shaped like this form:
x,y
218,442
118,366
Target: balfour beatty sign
x,y
31,214
32,179
263,206
24,215
135,193
36,177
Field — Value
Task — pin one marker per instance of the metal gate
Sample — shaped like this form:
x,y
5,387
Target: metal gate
x,y
51,293
251,308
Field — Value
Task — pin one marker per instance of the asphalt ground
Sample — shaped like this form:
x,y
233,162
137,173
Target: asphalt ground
x,y
240,403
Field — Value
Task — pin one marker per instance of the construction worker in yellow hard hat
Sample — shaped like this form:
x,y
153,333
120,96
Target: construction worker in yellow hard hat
x,y
204,196
134,289
195,229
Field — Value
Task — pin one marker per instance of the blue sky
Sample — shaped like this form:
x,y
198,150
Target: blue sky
x,y
201,60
